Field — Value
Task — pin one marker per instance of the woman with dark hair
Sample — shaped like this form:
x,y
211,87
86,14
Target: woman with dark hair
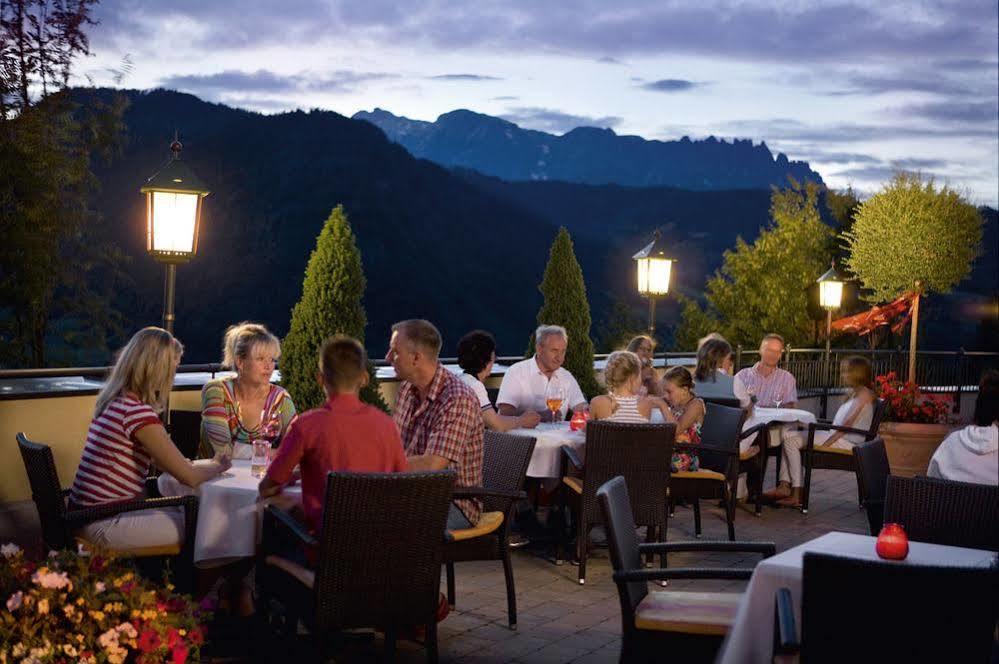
x,y
713,376
476,356
971,454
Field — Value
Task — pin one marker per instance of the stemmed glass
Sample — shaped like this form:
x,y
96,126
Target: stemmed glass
x,y
778,398
554,396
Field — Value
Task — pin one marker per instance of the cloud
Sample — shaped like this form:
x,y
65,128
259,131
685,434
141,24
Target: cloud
x,y
607,60
464,77
916,164
840,157
956,112
219,84
789,129
670,85
756,30
506,98
867,84
555,121
875,173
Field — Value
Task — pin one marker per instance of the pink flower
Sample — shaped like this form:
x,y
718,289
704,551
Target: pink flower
x,y
179,654
53,580
14,601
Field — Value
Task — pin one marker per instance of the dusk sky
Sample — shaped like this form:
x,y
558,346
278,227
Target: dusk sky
x,y
858,89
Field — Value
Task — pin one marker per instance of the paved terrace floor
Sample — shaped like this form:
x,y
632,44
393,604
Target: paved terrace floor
x,y
559,620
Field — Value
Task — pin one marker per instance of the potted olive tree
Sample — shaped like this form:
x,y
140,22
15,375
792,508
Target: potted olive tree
x,y
912,237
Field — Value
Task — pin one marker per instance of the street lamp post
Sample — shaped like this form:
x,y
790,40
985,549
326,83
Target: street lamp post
x,y
830,298
173,219
654,271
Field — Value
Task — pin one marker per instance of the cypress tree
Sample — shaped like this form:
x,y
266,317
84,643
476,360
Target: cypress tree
x,y
331,304
565,304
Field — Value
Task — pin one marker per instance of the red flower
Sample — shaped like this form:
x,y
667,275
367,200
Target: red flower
x,y
197,636
149,641
179,654
173,638
176,604
127,587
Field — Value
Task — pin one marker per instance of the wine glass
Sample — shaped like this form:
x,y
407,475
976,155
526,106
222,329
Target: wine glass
x,y
554,396
778,398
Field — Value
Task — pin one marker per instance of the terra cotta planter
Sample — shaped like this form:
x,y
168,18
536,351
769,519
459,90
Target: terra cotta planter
x,y
911,446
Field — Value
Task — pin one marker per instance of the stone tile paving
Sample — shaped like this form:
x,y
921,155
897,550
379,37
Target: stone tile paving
x,y
560,621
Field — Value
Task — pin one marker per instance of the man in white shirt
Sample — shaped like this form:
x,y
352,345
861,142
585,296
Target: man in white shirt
x,y
526,382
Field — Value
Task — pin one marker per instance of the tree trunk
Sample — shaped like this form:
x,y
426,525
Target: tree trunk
x,y
913,332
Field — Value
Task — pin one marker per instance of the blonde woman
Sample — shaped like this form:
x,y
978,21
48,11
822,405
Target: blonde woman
x,y
856,412
239,409
644,347
623,401
125,436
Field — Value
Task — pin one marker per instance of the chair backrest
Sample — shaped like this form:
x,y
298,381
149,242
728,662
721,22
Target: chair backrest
x,y
871,462
46,491
640,453
876,611
622,540
944,511
185,431
731,402
879,413
381,549
720,431
505,458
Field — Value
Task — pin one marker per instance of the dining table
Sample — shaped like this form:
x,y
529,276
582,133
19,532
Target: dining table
x,y
230,512
546,460
750,640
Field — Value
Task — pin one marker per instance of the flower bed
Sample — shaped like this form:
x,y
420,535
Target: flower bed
x,y
90,609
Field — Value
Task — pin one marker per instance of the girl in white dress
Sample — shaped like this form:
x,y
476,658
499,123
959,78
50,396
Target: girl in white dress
x,y
856,413
623,401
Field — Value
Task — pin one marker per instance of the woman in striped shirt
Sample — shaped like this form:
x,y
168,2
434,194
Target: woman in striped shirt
x,y
623,403
237,410
125,436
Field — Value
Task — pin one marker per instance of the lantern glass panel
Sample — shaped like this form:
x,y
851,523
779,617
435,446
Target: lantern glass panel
x,y
174,218
659,275
830,294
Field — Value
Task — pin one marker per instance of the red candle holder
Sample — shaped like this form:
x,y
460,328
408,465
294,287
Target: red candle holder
x,y
893,543
578,421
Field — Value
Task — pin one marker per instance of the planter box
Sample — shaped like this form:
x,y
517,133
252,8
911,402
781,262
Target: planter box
x,y
911,446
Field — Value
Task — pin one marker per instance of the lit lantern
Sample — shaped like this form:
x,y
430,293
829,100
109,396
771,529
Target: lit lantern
x,y
830,289
893,543
654,272
173,220
173,210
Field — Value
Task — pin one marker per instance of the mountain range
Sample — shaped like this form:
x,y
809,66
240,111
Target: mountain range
x,y
460,248
588,155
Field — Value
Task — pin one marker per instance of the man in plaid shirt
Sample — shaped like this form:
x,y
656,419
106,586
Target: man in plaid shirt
x,y
437,414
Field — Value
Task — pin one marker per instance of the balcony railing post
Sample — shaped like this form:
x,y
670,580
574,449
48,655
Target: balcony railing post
x,y
738,358
960,380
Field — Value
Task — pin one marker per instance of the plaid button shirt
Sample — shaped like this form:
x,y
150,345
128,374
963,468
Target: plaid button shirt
x,y
448,424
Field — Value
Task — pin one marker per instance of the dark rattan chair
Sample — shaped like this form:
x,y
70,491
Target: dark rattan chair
x,y
944,511
871,461
504,468
59,523
661,625
731,402
720,461
379,556
638,452
874,611
185,431
834,458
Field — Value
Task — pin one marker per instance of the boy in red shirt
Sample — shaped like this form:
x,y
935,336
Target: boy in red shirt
x,y
344,434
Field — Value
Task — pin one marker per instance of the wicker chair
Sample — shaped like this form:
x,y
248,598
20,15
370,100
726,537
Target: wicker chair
x,y
871,461
835,458
185,431
504,468
59,523
721,463
379,558
638,452
944,511
684,626
903,623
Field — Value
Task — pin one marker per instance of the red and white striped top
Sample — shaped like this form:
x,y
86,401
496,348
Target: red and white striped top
x,y
114,465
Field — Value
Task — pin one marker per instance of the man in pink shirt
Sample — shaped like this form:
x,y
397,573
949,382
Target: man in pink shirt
x,y
344,434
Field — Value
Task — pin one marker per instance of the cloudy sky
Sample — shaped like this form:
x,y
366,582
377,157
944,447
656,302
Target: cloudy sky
x,y
857,88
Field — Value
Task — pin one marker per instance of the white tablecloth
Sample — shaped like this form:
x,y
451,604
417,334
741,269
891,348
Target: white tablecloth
x,y
750,639
546,462
229,515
